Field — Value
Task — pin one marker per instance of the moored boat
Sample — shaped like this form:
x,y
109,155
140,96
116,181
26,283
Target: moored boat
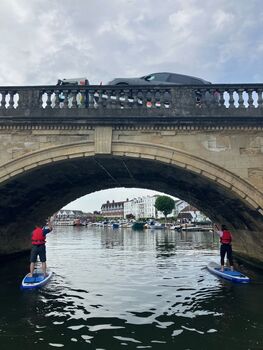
x,y
78,222
138,226
63,223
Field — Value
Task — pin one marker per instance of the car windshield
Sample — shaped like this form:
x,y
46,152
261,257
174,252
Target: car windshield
x,y
150,77
156,76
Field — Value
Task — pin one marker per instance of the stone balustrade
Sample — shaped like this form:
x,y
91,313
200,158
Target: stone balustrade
x,y
234,100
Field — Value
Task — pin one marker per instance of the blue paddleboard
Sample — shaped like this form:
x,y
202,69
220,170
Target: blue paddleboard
x,y
234,276
37,281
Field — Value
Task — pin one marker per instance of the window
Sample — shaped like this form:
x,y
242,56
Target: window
x,y
180,79
184,79
157,77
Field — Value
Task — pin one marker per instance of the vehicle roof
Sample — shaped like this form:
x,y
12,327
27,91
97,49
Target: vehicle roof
x,y
178,75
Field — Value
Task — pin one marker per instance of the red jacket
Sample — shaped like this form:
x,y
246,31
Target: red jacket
x,y
226,237
38,236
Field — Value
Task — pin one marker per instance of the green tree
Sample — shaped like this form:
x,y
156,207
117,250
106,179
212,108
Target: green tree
x,y
164,204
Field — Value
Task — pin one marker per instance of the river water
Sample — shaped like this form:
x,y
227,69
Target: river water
x,y
122,289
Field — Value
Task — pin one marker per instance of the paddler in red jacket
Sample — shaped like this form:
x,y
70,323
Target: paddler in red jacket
x,y
226,247
38,247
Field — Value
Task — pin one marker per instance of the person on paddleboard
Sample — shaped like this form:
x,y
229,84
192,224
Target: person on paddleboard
x,y
39,247
226,247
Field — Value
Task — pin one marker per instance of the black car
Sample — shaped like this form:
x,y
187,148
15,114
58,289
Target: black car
x,y
161,78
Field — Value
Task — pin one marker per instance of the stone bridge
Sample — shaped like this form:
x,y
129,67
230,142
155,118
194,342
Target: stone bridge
x,y
203,144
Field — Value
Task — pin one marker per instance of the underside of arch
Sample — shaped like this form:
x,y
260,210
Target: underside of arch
x,y
39,184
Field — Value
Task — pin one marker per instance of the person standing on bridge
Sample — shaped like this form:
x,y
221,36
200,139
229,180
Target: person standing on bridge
x,y
226,247
39,247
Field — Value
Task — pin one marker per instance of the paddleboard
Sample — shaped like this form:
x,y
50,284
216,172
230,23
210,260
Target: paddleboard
x,y
234,276
37,281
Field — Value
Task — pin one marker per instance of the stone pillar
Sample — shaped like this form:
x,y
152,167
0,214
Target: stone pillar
x,y
103,140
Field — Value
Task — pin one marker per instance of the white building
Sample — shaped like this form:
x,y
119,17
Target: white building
x,y
144,207
188,213
141,207
179,206
64,214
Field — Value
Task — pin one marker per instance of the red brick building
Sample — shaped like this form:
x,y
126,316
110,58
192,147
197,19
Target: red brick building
x,y
113,209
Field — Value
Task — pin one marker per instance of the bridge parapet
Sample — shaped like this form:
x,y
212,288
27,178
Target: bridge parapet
x,y
232,100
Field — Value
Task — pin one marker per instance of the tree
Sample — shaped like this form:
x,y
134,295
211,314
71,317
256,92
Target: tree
x,y
164,204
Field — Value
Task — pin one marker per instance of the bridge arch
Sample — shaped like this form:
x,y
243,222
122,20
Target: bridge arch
x,y
142,150
38,184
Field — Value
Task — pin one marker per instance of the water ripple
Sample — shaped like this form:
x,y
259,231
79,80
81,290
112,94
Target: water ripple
x,y
116,289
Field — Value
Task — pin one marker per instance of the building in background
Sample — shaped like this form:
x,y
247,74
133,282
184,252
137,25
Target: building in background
x,y
179,205
141,207
144,208
66,217
112,209
65,214
191,214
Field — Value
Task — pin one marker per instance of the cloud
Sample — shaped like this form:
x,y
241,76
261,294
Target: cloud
x,y
94,201
45,40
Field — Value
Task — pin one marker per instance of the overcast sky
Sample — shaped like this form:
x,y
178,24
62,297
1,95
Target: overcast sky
x,y
43,40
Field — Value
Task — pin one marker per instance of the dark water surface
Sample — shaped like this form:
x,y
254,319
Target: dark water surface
x,y
120,289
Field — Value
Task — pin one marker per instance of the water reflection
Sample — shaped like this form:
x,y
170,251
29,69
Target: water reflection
x,y
115,289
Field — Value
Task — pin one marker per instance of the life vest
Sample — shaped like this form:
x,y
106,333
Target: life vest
x,y
38,236
226,237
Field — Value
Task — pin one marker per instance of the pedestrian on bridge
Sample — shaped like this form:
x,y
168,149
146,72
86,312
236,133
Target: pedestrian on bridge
x,y
226,247
39,247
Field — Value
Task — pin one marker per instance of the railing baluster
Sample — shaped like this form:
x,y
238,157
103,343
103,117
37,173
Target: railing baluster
x,y
204,95
240,98
260,99
231,98
99,98
106,100
11,100
157,99
221,100
113,98
167,98
198,97
48,102
3,101
139,98
66,99
149,98
87,98
250,98
144,97
125,97
74,103
131,98
208,94
56,102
